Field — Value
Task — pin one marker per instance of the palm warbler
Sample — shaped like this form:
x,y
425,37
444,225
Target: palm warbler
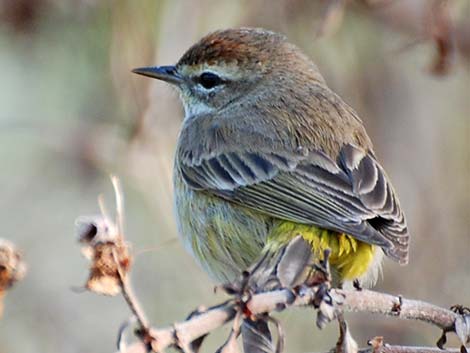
x,y
268,152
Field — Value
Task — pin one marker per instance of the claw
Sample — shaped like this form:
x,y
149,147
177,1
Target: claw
x,y
460,309
357,284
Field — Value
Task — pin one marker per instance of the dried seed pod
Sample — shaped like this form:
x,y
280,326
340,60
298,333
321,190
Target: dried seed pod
x,y
108,252
92,230
110,262
104,246
12,268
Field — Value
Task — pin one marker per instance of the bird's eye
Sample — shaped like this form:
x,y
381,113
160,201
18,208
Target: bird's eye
x,y
209,80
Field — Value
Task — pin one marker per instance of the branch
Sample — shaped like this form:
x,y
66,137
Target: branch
x,y
432,21
349,301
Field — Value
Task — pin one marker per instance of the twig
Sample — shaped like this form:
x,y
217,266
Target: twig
x,y
431,22
131,299
126,288
108,251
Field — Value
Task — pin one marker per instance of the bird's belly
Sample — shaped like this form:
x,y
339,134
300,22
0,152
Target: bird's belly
x,y
223,237
226,238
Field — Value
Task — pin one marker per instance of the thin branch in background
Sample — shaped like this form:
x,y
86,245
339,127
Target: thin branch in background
x,y
118,194
432,23
332,18
162,245
442,33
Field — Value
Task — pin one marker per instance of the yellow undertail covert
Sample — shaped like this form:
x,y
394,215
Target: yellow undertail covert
x,y
350,257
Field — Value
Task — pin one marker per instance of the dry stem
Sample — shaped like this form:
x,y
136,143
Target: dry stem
x,y
352,301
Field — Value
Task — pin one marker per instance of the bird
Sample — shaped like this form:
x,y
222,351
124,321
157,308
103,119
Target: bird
x,y
267,152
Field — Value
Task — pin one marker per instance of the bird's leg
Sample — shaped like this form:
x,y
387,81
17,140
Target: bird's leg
x,y
323,300
283,268
238,287
254,328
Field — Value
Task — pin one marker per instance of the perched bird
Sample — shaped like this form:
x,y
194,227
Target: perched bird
x,y
268,152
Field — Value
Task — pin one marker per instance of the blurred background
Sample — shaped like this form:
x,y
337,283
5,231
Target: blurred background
x,y
71,113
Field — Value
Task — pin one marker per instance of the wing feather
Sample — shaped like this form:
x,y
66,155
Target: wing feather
x,y
351,195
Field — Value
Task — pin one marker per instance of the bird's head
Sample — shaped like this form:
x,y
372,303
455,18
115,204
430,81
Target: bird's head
x,y
227,65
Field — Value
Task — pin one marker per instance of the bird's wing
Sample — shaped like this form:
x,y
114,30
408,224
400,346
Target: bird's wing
x,y
351,195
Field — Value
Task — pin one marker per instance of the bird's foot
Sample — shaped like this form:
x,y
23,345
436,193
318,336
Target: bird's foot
x,y
241,290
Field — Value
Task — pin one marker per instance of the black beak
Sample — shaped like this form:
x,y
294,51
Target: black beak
x,y
164,73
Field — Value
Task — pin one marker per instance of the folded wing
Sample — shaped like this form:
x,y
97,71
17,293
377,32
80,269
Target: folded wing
x,y
351,195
